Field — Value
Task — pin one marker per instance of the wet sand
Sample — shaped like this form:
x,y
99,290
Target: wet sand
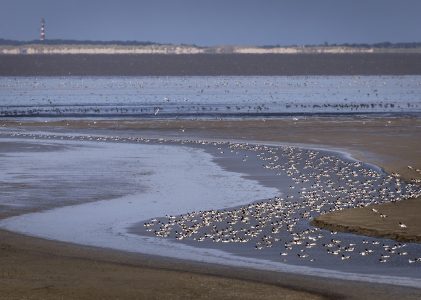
x,y
39,269
71,261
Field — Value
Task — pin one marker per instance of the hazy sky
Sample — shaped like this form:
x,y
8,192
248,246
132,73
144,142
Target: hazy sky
x,y
215,22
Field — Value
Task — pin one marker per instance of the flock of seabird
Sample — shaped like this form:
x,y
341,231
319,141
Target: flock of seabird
x,y
321,182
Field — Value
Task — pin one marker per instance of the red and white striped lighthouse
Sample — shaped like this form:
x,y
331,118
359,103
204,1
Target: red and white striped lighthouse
x,y
42,30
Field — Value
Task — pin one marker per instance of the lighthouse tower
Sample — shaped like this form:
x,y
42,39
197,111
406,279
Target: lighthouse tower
x,y
42,30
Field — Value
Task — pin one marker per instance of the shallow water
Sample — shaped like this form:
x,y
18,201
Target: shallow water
x,y
207,96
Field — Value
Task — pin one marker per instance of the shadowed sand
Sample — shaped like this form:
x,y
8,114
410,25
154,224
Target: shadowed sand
x,y
28,268
36,269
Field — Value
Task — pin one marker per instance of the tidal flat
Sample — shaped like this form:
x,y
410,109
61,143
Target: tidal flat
x,y
99,127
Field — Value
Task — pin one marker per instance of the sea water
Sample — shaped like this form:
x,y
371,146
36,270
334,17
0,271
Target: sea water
x,y
204,96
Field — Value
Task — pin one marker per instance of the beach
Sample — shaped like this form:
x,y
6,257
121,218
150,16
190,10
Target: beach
x,y
210,150
392,156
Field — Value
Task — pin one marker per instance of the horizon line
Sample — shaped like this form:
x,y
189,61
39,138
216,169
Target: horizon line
x,y
12,42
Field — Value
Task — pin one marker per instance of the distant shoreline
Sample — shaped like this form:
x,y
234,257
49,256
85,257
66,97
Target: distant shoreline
x,y
210,64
